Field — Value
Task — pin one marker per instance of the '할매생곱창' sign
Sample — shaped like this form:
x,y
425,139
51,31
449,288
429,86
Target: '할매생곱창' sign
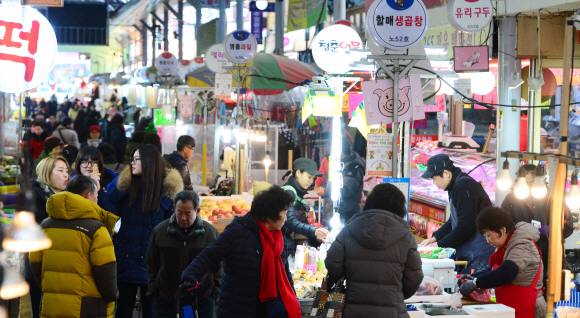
x,y
397,24
27,48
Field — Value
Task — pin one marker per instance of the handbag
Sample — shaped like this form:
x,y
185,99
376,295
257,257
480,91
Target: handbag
x,y
329,304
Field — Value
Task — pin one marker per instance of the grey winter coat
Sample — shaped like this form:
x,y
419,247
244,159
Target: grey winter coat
x,y
68,136
377,255
525,255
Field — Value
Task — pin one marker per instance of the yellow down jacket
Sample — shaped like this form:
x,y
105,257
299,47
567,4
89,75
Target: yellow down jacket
x,y
78,273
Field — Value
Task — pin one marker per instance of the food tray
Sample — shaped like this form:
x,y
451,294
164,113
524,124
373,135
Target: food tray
x,y
429,299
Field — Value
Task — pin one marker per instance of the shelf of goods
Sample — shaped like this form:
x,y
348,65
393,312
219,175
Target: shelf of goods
x,y
221,210
428,203
9,170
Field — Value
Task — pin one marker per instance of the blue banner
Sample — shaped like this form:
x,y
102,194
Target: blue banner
x,y
257,25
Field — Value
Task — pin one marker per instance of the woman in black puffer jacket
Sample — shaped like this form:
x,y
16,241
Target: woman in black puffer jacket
x,y
377,255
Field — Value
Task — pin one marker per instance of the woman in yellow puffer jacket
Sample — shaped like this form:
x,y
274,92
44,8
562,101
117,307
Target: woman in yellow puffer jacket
x,y
78,274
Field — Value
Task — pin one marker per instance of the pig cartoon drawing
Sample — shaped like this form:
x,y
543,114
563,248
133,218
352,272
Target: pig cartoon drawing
x,y
386,101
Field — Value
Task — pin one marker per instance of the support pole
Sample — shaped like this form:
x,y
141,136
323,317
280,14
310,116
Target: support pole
x,y
143,31
180,28
395,164
531,113
279,30
240,15
204,149
18,158
197,27
165,29
216,142
339,12
221,33
154,39
556,253
565,108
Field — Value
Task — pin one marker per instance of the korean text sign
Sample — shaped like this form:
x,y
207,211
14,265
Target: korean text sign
x,y
470,15
240,47
27,48
166,63
397,24
331,46
379,155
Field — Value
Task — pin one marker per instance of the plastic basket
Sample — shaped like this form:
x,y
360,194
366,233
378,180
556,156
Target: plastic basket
x,y
573,302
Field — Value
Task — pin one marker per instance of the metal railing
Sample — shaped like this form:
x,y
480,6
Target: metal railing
x,y
81,36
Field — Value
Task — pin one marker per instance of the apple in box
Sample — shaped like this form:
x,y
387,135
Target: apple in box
x,y
215,212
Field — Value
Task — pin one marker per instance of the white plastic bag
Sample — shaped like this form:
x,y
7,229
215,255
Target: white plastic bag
x,y
429,286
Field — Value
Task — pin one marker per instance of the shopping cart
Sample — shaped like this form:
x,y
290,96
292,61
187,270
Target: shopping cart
x,y
182,292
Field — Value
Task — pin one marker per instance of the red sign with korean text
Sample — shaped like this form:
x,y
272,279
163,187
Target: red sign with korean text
x,y
43,3
27,48
428,211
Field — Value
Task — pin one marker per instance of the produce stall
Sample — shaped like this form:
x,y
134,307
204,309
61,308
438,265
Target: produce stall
x,y
427,207
220,211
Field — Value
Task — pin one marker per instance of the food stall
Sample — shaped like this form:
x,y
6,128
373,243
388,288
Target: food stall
x,y
427,207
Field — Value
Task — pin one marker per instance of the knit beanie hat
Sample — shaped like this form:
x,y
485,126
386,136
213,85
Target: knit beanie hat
x,y
151,128
52,142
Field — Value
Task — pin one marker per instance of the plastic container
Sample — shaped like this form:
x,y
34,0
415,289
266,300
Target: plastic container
x,y
429,299
491,310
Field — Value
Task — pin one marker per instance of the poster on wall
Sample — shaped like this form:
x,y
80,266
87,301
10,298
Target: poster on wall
x,y
379,155
303,14
471,59
378,101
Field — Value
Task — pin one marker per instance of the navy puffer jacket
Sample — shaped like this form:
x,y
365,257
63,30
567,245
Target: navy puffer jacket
x,y
132,241
240,249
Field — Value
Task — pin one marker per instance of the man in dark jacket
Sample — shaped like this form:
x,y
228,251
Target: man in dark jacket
x,y
376,254
466,199
179,158
174,244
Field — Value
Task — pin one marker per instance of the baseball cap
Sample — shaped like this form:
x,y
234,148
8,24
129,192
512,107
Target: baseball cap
x,y
308,165
435,164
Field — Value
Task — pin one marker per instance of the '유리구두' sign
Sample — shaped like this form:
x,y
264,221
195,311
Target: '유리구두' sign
x,y
27,48
397,24
470,15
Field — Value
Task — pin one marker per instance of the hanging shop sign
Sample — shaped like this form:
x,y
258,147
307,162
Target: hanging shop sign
x,y
378,101
471,59
216,60
379,155
447,38
257,25
397,25
166,63
240,47
331,46
27,48
223,85
43,3
183,67
470,15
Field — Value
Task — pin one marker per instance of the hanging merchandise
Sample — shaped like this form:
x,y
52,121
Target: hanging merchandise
x,y
216,60
240,47
378,101
27,49
397,25
379,155
186,105
470,15
166,63
331,48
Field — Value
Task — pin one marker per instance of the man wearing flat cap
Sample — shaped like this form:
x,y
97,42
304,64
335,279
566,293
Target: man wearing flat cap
x,y
466,199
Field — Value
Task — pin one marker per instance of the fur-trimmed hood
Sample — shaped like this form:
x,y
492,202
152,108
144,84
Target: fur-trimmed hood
x,y
172,183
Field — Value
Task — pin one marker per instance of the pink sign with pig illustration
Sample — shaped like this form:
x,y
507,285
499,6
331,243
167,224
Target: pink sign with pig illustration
x,y
379,101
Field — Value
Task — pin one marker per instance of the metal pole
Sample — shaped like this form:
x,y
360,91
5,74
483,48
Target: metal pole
x,y
204,151
2,121
180,28
165,29
279,29
511,116
395,136
339,10
197,27
19,134
240,15
531,102
239,115
154,39
565,108
222,26
216,142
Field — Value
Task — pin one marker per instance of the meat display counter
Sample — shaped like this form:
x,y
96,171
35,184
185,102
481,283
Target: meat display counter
x,y
428,203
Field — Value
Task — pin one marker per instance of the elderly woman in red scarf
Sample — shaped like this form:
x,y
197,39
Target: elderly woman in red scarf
x,y
256,281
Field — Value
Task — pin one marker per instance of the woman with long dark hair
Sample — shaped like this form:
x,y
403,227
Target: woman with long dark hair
x,y
84,165
78,126
143,195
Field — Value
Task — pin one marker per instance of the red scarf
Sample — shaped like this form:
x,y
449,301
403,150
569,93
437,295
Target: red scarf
x,y
274,276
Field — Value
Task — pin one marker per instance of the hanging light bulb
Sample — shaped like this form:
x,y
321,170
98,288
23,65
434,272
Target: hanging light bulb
x,y
539,188
13,286
504,181
267,160
263,134
573,197
25,235
522,190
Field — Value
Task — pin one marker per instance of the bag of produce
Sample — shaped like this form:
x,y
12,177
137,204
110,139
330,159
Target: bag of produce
x,y
435,252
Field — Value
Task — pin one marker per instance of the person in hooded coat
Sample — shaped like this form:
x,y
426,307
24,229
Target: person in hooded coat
x,y
376,254
117,136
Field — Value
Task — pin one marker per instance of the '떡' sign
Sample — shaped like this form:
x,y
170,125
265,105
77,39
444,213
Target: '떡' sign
x,y
397,24
166,63
379,155
216,60
27,48
331,45
240,47
470,15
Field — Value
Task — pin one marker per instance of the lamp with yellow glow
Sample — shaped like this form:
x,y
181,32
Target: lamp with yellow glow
x,y
321,103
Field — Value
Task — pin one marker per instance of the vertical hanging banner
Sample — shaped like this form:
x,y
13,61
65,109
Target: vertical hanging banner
x,y
303,14
27,48
379,155
223,85
257,25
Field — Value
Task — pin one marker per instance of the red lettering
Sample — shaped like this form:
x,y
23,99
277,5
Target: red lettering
x,y
31,37
28,62
7,40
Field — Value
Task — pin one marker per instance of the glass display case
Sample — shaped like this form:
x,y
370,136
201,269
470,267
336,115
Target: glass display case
x,y
480,167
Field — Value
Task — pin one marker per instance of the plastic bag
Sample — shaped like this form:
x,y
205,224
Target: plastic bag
x,y
435,252
568,312
429,286
455,301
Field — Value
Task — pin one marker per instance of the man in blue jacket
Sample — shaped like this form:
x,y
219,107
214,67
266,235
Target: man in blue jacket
x,y
466,199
